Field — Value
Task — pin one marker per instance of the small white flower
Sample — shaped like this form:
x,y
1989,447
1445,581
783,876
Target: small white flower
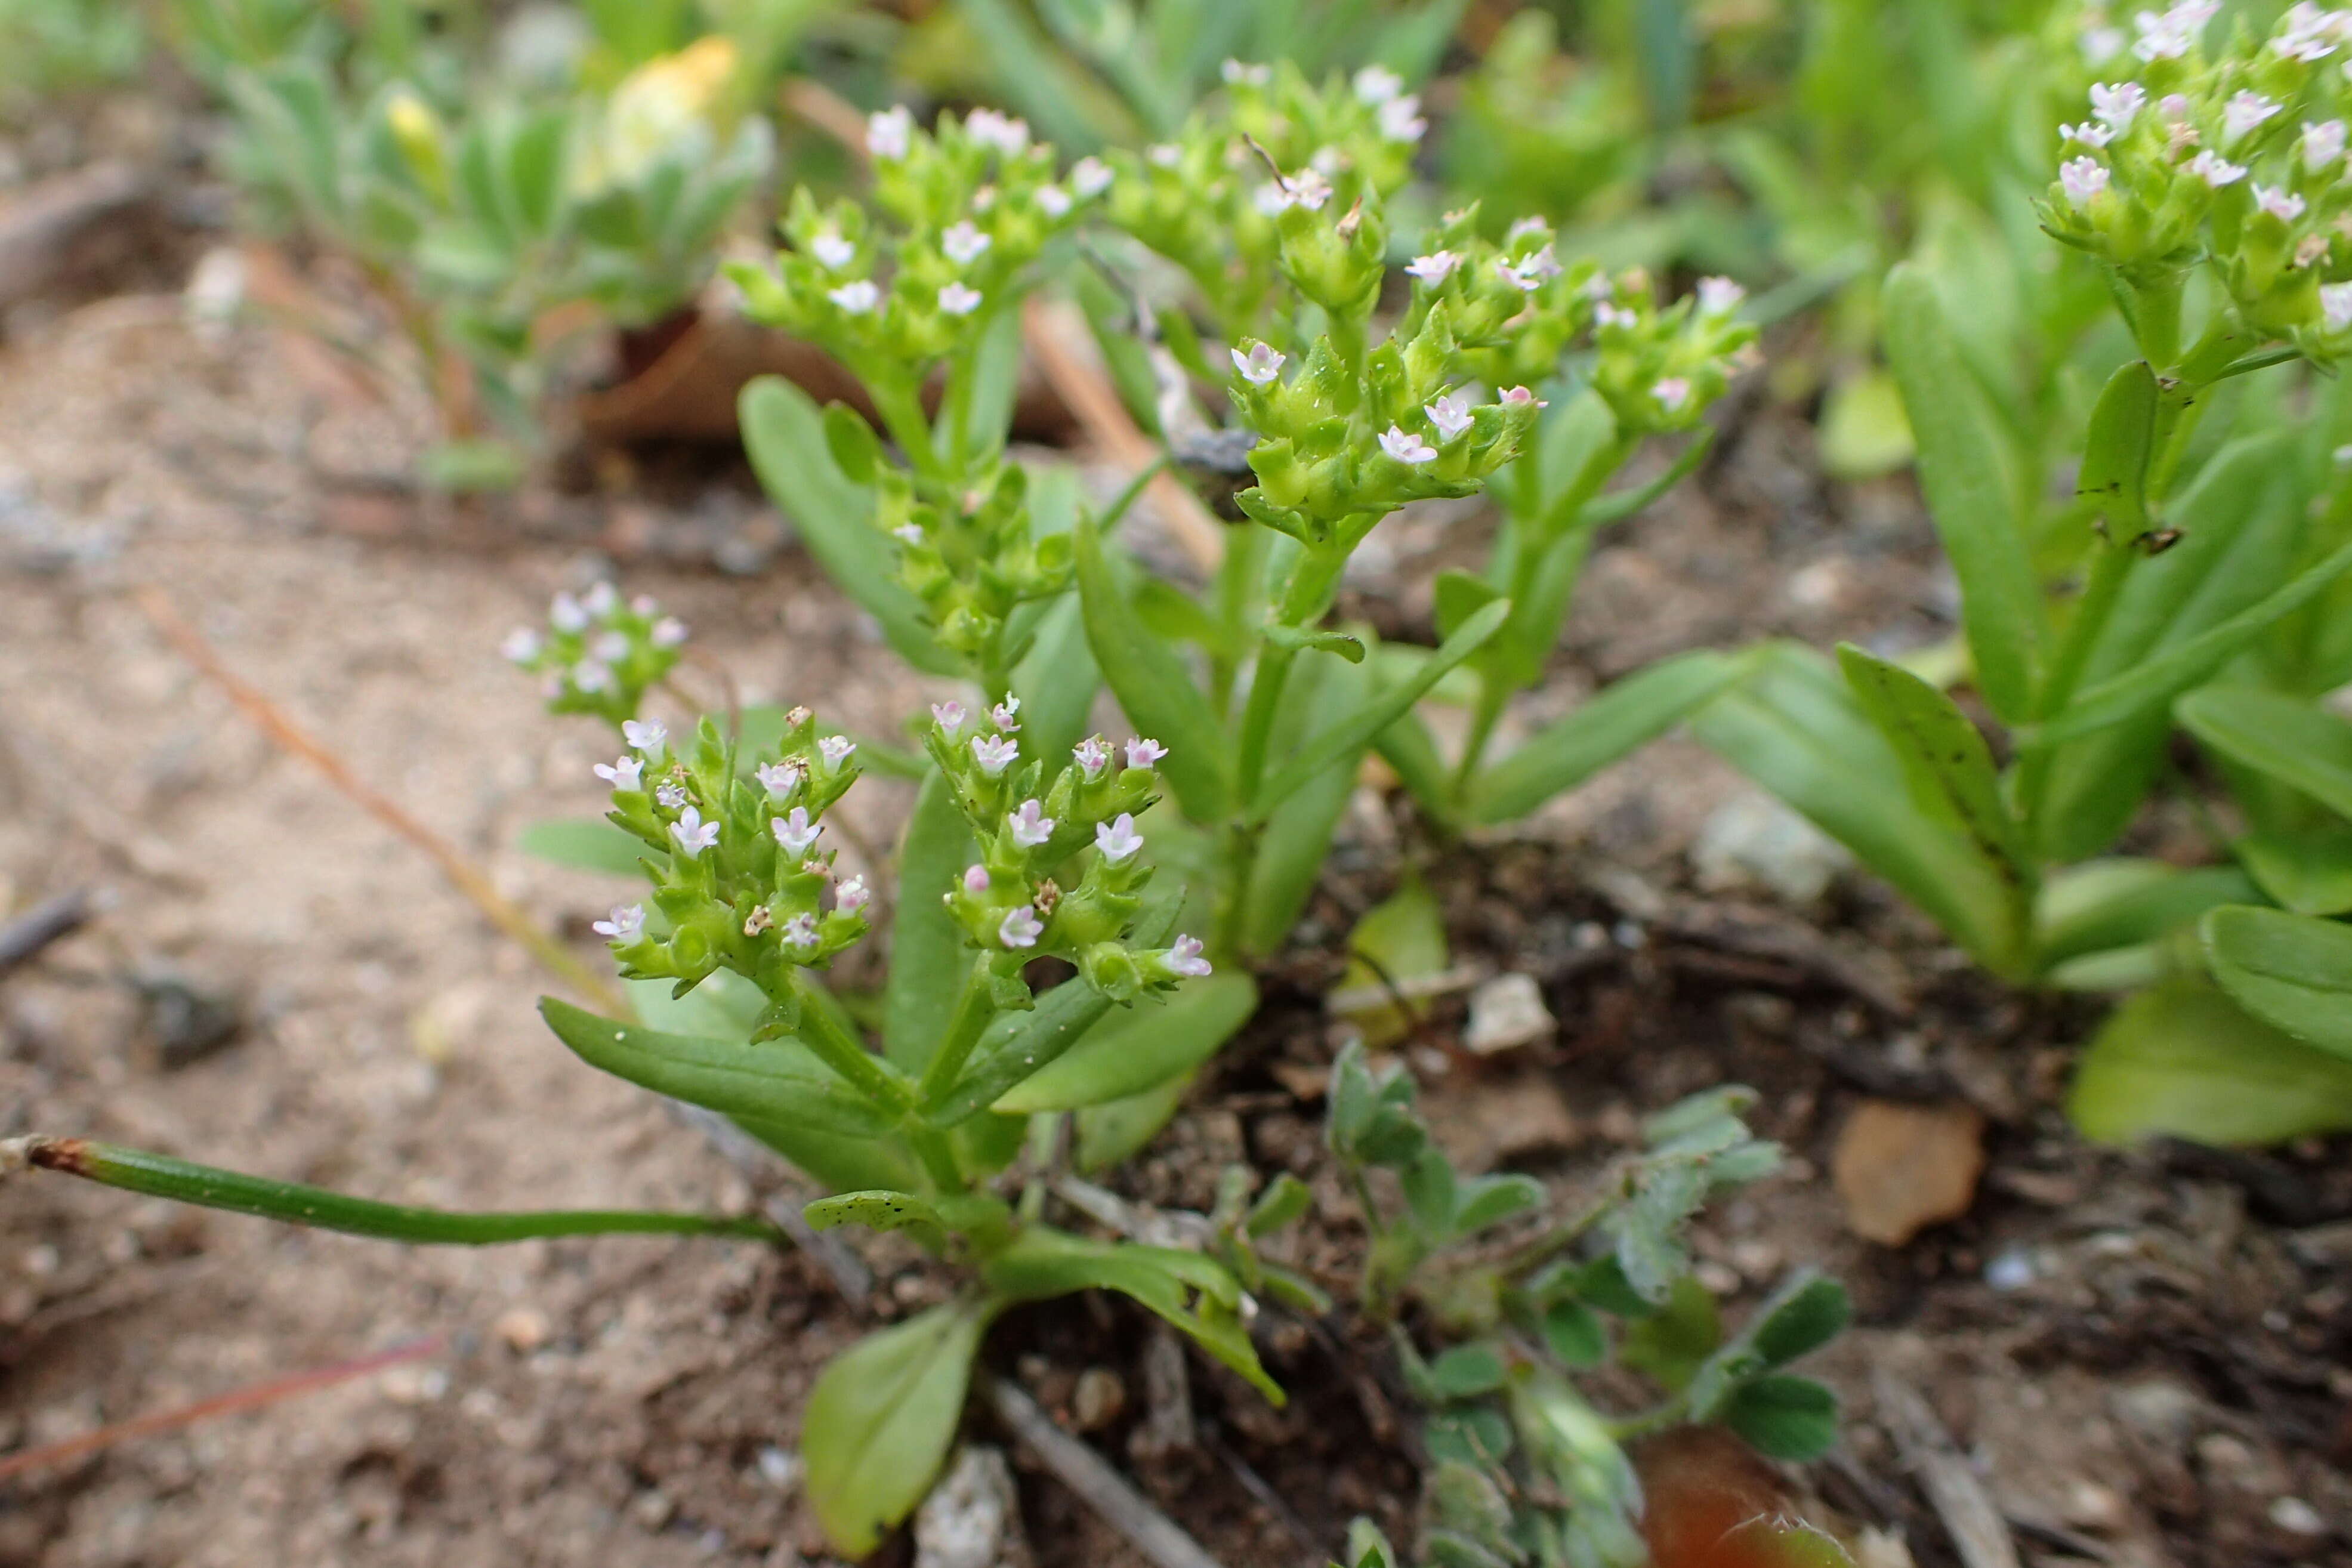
x,y
958,300
1030,825
857,299
2306,33
693,835
646,735
1054,201
963,243
796,832
1238,73
626,924
2173,106
643,604
1401,119
2322,144
834,750
1671,392
669,632
2336,305
1269,199
909,534
1020,928
1528,227
2212,168
1008,135
1529,274
591,675
2117,106
1378,84
2100,45
779,779
889,132
521,646
994,755
2169,37
2090,133
1450,413
832,252
627,773
949,715
975,879
2282,204
2082,178
1093,755
670,796
1163,154
1435,268
1117,839
1089,177
610,647
601,600
1005,714
851,895
1260,366
1144,752
799,932
563,612
1307,188
1405,446
1184,958
2244,112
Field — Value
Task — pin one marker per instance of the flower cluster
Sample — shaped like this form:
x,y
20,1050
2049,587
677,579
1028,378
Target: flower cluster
x,y
970,557
1660,368
2235,157
599,655
1061,871
974,205
742,879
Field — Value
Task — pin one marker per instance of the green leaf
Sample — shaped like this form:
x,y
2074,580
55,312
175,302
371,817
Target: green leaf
x,y
2183,1059
1465,1371
1284,1200
1153,687
879,1420
1804,1315
774,1081
2292,972
1350,736
1289,854
1400,938
1669,1346
1635,711
929,957
207,1187
1789,1418
1618,505
2103,905
2309,873
2113,475
1302,640
1110,1135
1149,1044
1863,431
1573,1331
784,435
585,843
1943,756
1056,681
1965,471
2292,740
535,169
855,450
1490,1200
880,1211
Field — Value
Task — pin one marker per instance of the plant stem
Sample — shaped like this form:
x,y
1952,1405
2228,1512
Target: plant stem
x,y
1304,597
974,1010
870,1075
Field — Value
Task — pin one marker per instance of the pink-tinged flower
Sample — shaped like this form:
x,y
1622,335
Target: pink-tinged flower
x,y
1269,200
2169,35
2117,106
2322,144
1184,958
563,612
1030,825
1006,134
1719,296
693,835
994,755
592,676
832,252
907,534
1006,715
1606,314
1377,84
858,298
1520,397
2090,133
2244,112
1671,392
779,779
2282,204
626,924
1020,928
670,796
889,132
851,895
610,647
1144,752
1307,188
2100,45
1400,119
835,750
1529,228
646,735
1093,755
957,299
1260,365
2081,179
963,243
521,646
2214,169
950,717
1435,268
1405,446
2307,33
975,879
2336,305
796,832
1054,202
1163,154
601,600
799,931
1117,839
1450,413
643,604
669,632
629,772
1089,177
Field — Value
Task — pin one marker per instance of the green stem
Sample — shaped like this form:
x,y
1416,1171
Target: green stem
x,y
2111,564
901,408
158,1175
974,1010
870,1075
1304,597
1241,584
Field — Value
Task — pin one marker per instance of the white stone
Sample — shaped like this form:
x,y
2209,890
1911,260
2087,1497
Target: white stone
x,y
1506,1013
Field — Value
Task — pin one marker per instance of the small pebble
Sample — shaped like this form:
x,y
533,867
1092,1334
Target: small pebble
x,y
2011,1270
1506,1013
2297,1517
523,1329
1098,1398
780,1467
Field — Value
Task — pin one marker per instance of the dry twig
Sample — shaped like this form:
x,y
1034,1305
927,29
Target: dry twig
x,y
1087,1474
1970,1517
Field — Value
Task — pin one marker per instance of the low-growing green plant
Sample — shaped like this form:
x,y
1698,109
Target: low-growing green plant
x,y
2205,189
1522,1465
53,47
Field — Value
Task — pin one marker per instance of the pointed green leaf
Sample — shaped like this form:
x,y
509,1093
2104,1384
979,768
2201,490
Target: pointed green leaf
x,y
1153,687
1108,1136
1804,1315
2293,740
1465,1371
1789,1418
882,1211
2183,1059
928,956
2309,873
880,1418
775,1081
585,844
1943,755
2114,474
1632,711
2292,971
1151,1043
1490,1200
2103,905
